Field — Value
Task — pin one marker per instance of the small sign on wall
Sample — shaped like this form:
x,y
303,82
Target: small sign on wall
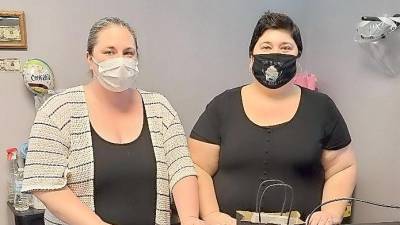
x,y
10,64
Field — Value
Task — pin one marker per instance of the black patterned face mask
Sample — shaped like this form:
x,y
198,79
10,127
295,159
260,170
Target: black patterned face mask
x,y
274,70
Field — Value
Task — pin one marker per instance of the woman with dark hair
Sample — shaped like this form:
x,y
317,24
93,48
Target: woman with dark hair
x,y
272,129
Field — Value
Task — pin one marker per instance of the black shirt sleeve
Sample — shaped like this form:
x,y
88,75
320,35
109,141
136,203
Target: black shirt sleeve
x,y
208,126
336,133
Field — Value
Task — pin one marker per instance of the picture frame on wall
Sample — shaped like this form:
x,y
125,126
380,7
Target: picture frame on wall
x,y
12,30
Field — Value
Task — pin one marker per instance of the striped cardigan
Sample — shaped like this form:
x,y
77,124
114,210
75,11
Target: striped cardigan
x,y
60,149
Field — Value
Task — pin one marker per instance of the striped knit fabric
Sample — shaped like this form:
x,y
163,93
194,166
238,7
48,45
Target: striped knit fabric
x,y
61,154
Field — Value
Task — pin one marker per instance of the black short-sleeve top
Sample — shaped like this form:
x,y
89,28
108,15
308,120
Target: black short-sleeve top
x,y
290,151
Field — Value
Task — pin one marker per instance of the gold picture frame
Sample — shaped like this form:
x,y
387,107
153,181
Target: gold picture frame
x,y
12,30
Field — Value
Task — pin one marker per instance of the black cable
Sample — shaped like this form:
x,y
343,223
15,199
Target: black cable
x,y
349,199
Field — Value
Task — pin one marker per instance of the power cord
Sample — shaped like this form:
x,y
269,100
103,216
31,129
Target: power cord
x,y
349,199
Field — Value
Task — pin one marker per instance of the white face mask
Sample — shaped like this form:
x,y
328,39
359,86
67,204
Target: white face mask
x,y
117,74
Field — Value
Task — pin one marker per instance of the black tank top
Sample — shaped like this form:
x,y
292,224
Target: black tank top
x,y
125,179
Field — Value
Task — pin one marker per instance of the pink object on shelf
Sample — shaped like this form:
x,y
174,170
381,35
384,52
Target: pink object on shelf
x,y
306,80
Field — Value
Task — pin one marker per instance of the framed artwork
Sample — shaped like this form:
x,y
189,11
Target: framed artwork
x,y
12,30
10,64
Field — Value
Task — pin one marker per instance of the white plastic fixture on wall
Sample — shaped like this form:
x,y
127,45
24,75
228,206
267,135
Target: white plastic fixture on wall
x,y
380,36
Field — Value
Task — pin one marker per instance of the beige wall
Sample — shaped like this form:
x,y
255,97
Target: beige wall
x,y
192,50
366,96
183,44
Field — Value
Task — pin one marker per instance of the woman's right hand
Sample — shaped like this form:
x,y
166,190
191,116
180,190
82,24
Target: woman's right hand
x,y
219,218
206,157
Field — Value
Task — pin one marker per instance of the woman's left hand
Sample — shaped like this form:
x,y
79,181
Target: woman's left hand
x,y
323,218
192,221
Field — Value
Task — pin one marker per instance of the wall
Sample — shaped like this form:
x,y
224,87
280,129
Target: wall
x,y
366,96
192,50
189,50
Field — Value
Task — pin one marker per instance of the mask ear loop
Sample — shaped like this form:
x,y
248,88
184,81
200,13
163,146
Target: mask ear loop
x,y
94,60
89,58
299,68
251,66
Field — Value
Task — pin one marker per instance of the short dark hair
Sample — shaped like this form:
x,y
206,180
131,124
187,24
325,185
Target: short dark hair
x,y
272,20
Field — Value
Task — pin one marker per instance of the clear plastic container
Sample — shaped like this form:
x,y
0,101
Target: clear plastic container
x,y
11,158
21,200
11,182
